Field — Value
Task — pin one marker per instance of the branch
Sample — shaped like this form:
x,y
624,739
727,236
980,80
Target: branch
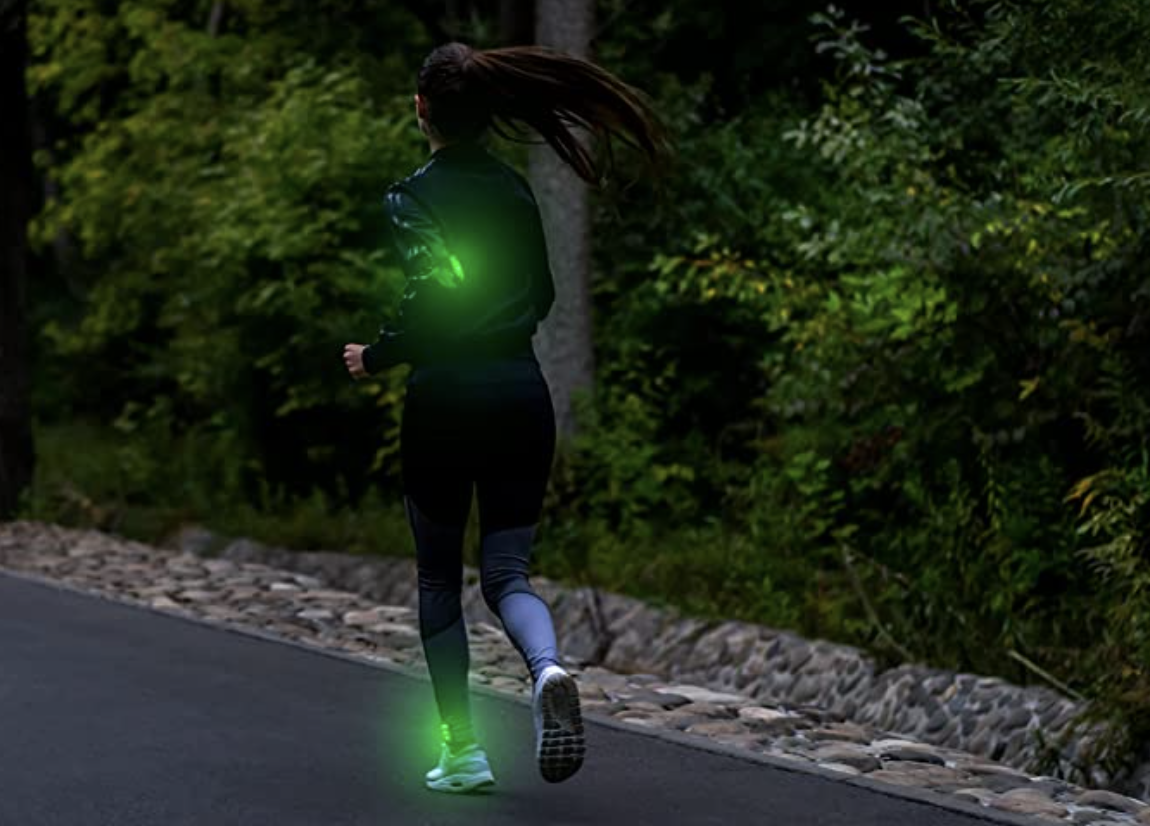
x,y
1046,675
872,615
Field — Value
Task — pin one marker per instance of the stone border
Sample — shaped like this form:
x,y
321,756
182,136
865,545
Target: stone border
x,y
986,716
299,607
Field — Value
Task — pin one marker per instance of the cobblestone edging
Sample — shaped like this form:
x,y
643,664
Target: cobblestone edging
x,y
304,607
986,716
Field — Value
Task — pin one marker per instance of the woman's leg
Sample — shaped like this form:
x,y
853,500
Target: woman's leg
x,y
513,465
437,498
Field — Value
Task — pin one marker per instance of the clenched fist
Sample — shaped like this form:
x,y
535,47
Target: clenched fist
x,y
353,359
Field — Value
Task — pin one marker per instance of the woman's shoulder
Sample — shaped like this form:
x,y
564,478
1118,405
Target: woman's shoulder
x,y
514,177
440,180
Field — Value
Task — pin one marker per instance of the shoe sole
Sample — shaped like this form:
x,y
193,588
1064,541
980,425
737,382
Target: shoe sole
x,y
561,748
462,783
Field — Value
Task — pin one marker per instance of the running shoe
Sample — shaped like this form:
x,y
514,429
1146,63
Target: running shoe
x,y
559,746
460,771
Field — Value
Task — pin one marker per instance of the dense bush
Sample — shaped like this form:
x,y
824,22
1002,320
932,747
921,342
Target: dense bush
x,y
948,346
227,204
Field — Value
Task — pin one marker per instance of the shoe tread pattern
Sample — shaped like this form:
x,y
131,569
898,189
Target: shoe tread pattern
x,y
562,748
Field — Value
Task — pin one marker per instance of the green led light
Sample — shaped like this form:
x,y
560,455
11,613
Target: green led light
x,y
456,267
408,736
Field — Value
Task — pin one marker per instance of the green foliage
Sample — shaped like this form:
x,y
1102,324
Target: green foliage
x,y
940,324
142,480
239,231
1114,506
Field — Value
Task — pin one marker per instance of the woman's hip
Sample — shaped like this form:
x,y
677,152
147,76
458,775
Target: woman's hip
x,y
492,402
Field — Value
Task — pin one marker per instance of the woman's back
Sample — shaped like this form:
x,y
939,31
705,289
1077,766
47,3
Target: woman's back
x,y
468,231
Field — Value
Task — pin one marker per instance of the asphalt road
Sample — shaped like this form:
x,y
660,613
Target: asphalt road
x,y
111,714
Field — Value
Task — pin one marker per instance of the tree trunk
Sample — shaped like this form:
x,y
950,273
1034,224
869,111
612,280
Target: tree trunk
x,y
516,22
215,17
564,338
16,181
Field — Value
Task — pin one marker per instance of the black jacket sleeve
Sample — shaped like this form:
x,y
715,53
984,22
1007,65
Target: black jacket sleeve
x,y
427,265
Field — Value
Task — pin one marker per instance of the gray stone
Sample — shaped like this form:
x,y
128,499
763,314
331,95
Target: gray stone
x,y
661,699
708,710
848,732
840,767
982,796
717,727
1089,816
847,754
639,705
763,714
983,742
316,614
640,718
746,740
980,767
916,774
676,719
806,690
701,695
798,656
853,680
1102,799
911,754
937,720
778,727
644,679
609,708
1029,802
819,715
1004,782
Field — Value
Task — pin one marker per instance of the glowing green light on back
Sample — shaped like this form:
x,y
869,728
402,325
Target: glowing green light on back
x,y
456,267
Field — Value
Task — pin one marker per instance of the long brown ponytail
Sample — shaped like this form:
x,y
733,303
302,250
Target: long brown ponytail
x,y
469,89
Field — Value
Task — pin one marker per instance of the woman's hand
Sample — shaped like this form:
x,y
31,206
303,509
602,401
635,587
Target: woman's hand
x,y
353,358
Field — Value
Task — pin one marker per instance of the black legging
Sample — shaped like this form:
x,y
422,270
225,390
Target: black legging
x,y
489,423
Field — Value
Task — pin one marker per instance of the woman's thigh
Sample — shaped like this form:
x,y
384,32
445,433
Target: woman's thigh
x,y
515,444
435,454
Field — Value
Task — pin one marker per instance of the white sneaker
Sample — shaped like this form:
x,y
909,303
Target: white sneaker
x,y
460,772
559,746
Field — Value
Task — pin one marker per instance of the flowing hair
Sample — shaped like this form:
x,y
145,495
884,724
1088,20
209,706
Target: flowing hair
x,y
468,90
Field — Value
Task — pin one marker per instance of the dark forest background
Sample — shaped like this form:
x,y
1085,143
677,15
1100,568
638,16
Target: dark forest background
x,y
875,366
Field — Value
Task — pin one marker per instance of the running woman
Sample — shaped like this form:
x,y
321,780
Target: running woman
x,y
477,409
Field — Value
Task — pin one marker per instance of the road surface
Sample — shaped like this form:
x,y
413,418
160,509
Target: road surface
x,y
122,716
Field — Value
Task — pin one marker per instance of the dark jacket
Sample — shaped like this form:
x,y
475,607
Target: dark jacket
x,y
470,240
